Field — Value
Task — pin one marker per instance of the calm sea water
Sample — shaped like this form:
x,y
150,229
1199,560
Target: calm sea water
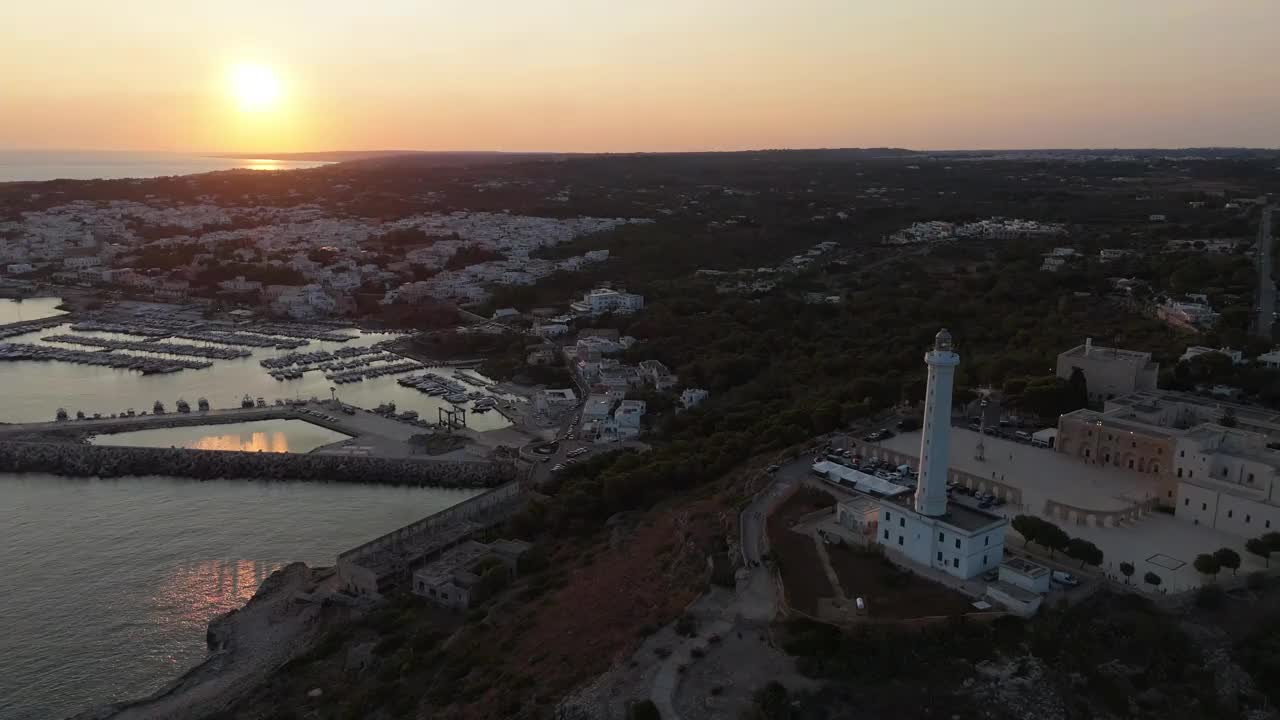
x,y
109,584
33,391
12,311
276,436
18,165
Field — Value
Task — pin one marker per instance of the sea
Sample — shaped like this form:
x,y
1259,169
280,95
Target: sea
x,y
109,585
27,165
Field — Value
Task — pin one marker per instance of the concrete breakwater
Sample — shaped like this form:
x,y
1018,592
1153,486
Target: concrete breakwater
x,y
109,461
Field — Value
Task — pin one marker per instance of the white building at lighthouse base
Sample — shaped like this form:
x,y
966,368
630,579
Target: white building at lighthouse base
x,y
964,542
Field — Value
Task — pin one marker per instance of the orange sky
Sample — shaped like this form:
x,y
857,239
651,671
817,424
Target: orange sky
x,y
594,75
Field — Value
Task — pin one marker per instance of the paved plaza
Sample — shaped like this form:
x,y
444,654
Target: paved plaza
x,y
1157,543
1042,474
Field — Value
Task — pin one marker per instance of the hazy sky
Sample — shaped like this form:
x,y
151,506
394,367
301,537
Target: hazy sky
x,y
617,75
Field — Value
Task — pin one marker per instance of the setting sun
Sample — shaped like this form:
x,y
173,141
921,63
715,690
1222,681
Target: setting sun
x,y
256,87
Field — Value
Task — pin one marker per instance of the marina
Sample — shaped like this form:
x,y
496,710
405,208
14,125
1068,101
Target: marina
x,y
88,368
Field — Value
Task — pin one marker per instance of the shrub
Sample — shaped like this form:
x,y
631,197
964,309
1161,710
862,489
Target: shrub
x,y
1210,597
644,710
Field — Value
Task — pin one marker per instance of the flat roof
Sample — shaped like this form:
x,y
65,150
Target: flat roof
x,y
1025,567
1098,352
961,517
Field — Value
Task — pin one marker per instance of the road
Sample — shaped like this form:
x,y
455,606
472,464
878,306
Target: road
x,y
1266,285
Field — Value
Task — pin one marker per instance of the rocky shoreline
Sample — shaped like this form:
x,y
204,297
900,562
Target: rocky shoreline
x,y
244,645
107,462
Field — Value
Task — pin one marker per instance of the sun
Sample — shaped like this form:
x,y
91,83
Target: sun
x,y
256,87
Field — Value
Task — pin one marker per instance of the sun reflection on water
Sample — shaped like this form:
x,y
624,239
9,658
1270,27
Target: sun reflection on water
x,y
275,442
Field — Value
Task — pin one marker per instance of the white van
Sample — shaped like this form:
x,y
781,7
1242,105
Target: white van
x,y
1039,442
1023,435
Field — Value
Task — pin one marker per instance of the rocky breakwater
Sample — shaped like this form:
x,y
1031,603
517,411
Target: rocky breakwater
x,y
276,625
107,461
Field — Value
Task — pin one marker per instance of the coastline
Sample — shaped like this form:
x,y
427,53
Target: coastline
x,y
277,624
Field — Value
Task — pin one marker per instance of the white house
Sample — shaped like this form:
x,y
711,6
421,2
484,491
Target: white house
x,y
692,397
1193,351
603,300
964,542
1021,586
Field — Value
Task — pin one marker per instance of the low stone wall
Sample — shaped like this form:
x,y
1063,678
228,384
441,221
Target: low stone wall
x,y
467,508
105,461
1100,518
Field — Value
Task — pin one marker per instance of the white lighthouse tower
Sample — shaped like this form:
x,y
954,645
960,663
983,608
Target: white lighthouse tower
x,y
935,435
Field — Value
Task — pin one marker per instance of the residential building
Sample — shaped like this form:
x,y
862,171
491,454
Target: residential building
x,y
596,409
454,579
692,397
1021,586
1194,351
658,375
1109,372
1187,315
605,300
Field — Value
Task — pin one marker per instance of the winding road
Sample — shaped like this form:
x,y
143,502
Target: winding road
x,y
1266,285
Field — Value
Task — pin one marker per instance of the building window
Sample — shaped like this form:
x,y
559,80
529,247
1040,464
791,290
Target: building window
x,y
1090,433
955,562
1247,518
986,541
957,543
886,534
939,556
1230,513
1186,502
1182,453
1268,523
1204,506
1086,452
902,522
1170,493
1159,451
1130,464
887,516
1133,443
1224,472
984,561
1191,473
899,539
940,537
1250,477
1179,472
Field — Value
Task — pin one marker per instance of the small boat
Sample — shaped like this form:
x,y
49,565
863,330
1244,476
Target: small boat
x,y
261,403
79,414
246,402
203,405
62,415
183,407
158,408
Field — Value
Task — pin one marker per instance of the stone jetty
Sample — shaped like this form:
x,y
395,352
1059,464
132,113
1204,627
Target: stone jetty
x,y
106,462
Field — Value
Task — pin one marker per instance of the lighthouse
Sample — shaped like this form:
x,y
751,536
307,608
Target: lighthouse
x,y
935,434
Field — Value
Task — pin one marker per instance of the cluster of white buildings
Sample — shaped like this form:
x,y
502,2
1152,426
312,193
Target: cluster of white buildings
x,y
991,229
609,418
607,300
103,242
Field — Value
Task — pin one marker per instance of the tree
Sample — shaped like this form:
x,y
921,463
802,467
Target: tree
x,y
1029,527
1259,547
1084,551
1079,387
1272,539
1054,538
645,710
1227,558
1152,579
1126,569
1207,564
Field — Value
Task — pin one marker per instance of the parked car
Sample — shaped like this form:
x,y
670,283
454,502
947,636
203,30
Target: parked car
x,y
991,575
1065,578
772,469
